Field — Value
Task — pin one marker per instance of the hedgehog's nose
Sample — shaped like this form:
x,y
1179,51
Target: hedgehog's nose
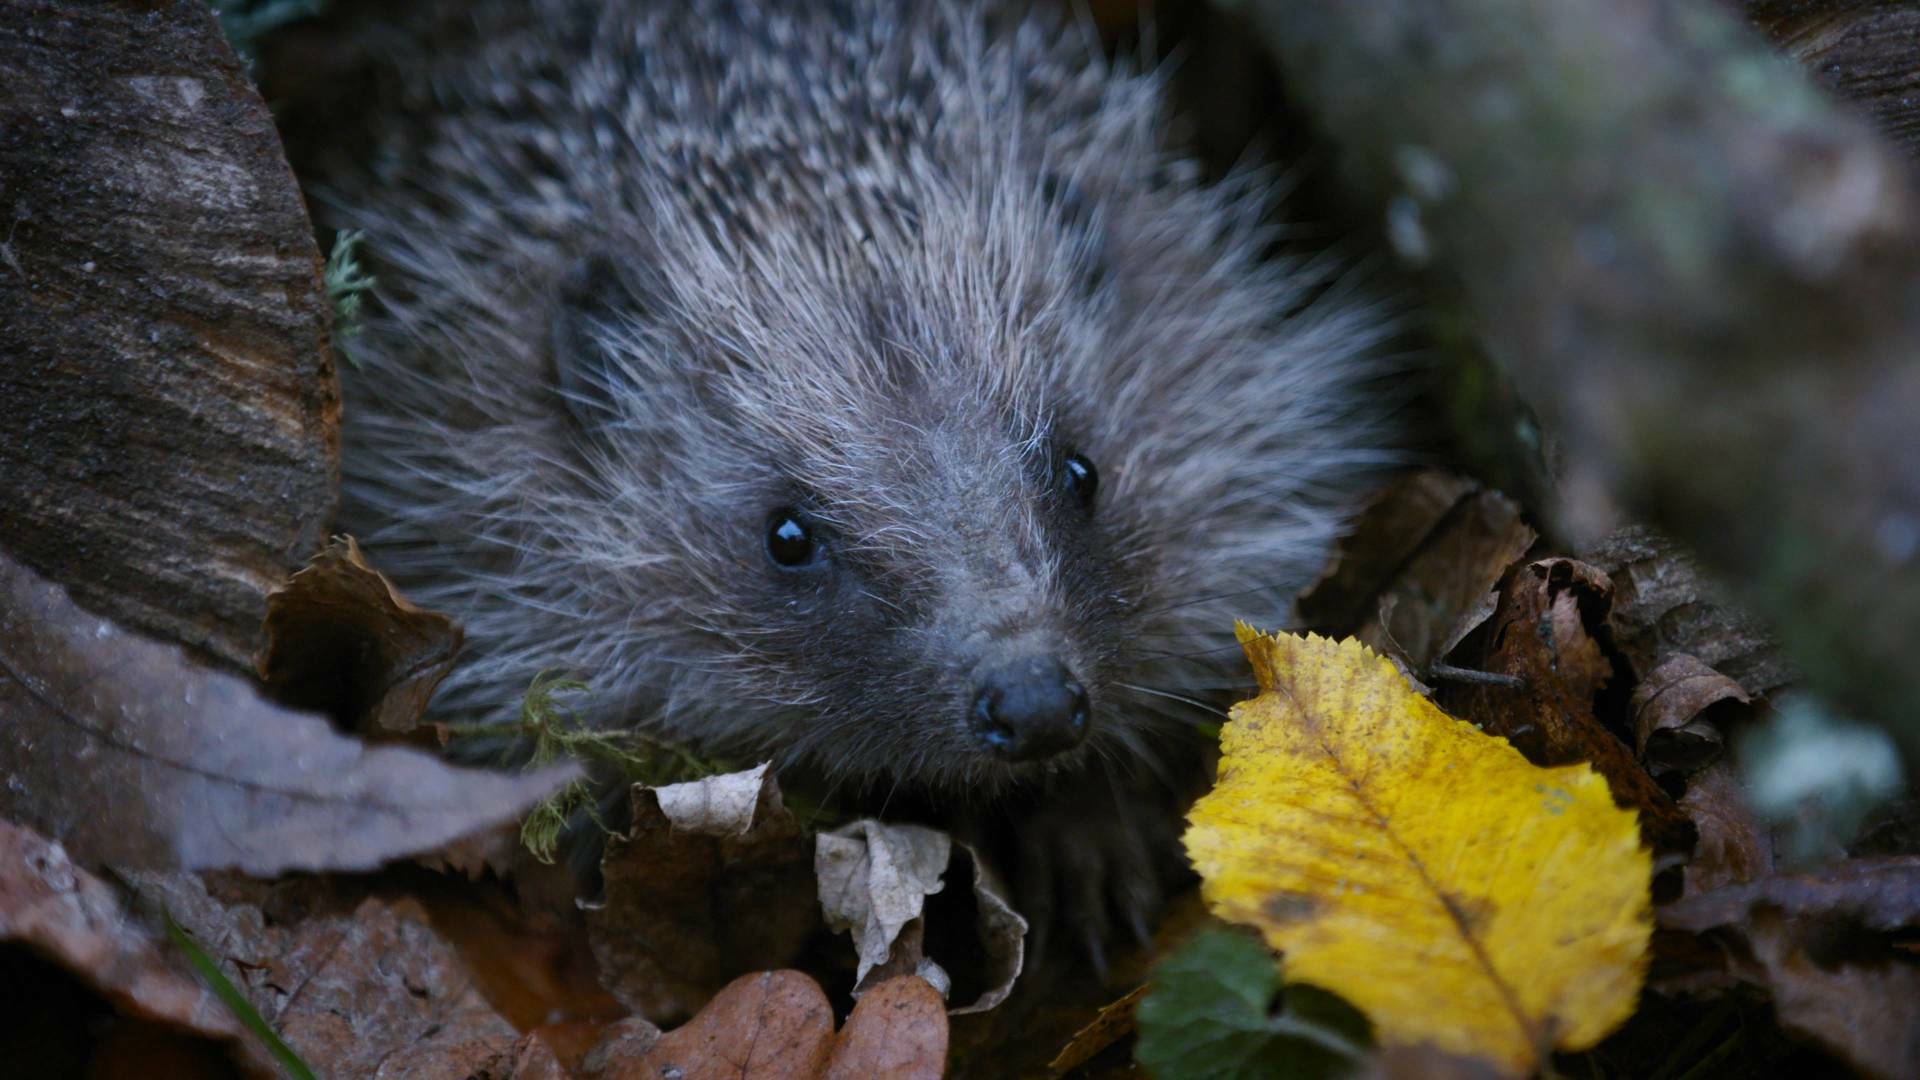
x,y
1029,708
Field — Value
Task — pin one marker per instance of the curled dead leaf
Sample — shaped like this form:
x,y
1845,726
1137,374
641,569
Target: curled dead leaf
x,y
340,639
1663,604
1678,709
711,880
1734,844
1547,633
773,1023
1876,893
126,753
875,881
1415,573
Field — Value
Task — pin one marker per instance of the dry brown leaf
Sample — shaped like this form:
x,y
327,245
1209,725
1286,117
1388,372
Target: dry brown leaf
x,y
1678,710
769,1024
356,985
1817,943
622,1046
1414,574
1867,1012
340,639
82,924
1663,604
898,1031
712,879
535,968
1546,632
1876,893
529,1059
127,754
1115,1021
1734,845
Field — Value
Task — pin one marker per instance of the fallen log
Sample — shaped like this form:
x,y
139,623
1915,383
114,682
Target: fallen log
x,y
169,447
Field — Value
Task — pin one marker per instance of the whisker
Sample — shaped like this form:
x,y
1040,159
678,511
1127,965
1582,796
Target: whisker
x,y
1212,599
1213,710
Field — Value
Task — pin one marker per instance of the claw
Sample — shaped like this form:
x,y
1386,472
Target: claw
x,y
1096,951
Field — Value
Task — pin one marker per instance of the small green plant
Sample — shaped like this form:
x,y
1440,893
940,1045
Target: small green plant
x,y
236,1002
347,284
553,731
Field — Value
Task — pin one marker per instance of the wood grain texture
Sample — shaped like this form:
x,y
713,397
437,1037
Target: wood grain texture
x,y
1867,51
168,405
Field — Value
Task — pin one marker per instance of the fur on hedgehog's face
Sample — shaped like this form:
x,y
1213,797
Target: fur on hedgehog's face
x,y
906,572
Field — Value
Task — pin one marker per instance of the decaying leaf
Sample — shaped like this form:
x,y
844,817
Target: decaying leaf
x,y
1734,845
875,881
1866,1010
712,880
1877,894
1677,712
81,923
773,1023
622,1047
1209,1014
1416,572
1422,870
341,640
1115,1021
1663,604
778,1024
357,985
898,1031
1546,633
128,754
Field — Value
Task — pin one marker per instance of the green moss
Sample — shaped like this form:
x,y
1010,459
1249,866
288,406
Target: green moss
x,y
347,285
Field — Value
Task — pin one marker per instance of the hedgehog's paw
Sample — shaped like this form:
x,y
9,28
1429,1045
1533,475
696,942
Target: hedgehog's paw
x,y
1090,872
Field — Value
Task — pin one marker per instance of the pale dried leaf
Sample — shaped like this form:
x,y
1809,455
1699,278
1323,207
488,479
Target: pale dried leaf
x,y
128,754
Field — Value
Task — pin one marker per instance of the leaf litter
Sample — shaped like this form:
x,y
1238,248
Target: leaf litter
x,y
722,880
128,754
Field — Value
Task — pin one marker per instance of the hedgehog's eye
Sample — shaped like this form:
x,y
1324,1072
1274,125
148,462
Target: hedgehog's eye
x,y
1082,478
790,543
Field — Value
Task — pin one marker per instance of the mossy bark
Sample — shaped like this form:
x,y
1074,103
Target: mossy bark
x,y
1703,272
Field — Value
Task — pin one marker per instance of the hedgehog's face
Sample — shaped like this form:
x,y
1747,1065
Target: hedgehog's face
x,y
914,595
885,568
1020,697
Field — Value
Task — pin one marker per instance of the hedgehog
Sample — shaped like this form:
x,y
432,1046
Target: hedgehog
x,y
870,387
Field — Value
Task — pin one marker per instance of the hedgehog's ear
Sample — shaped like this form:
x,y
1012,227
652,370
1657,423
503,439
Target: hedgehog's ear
x,y
597,298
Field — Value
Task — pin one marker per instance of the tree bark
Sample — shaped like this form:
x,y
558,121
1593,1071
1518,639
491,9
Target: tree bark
x,y
1867,51
1705,274
169,447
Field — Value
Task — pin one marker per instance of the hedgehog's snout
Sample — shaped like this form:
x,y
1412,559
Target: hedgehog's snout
x,y
1028,708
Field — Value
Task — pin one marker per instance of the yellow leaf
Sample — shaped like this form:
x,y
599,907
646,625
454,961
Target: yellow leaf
x,y
1417,867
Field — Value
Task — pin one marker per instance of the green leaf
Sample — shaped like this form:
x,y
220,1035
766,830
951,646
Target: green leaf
x,y
1211,1016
